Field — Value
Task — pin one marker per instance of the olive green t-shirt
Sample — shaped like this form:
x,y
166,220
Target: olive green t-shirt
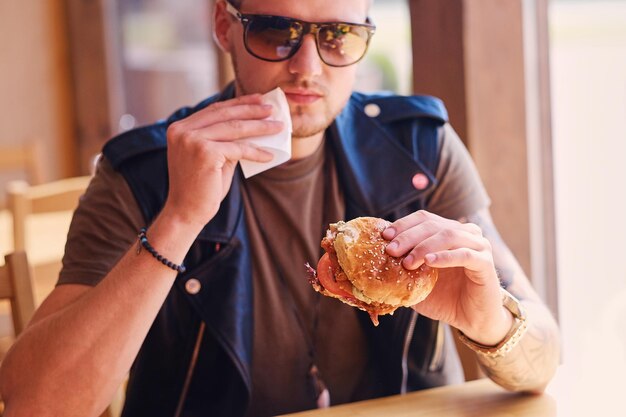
x,y
294,326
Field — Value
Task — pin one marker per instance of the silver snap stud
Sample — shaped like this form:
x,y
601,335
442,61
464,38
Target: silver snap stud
x,y
372,110
193,286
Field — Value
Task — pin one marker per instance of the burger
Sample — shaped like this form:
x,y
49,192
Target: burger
x,y
357,270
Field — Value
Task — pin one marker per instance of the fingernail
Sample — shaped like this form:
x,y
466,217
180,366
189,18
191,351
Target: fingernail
x,y
430,258
389,233
393,245
408,261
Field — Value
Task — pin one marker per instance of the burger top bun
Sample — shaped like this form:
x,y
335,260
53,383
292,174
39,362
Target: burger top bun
x,y
376,276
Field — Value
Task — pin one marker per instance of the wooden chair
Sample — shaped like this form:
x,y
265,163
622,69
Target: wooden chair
x,y
25,157
24,199
16,287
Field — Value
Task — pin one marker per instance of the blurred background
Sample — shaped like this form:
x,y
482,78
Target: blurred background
x,y
537,90
588,76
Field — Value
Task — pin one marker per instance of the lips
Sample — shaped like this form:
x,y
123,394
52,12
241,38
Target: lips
x,y
299,96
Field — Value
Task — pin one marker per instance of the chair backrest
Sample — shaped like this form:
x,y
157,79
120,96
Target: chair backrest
x,y
24,199
16,287
25,157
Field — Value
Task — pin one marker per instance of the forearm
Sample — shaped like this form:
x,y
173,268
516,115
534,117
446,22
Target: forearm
x,y
71,362
530,365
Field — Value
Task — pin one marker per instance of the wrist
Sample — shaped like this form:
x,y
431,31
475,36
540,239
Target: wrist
x,y
172,236
512,337
497,330
180,220
186,216
145,244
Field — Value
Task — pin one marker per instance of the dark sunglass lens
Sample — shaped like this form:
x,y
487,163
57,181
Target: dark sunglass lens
x,y
342,44
272,38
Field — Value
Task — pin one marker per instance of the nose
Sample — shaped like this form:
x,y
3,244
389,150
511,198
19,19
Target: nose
x,y
306,62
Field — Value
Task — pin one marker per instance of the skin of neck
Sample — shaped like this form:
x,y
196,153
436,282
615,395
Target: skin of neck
x,y
303,147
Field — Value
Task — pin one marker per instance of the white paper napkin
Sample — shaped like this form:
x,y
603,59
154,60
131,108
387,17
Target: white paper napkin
x,y
279,144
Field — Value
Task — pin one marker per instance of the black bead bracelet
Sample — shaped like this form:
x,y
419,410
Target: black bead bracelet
x,y
143,241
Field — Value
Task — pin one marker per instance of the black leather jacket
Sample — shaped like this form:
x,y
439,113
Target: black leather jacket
x,y
196,358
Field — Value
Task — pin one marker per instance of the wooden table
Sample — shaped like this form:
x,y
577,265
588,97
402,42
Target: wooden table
x,y
473,399
575,391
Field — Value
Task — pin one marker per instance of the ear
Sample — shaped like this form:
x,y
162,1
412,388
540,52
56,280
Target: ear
x,y
222,22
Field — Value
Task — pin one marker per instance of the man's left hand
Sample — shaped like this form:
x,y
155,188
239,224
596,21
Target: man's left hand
x,y
467,294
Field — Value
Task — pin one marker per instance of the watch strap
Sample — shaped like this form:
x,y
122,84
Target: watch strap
x,y
513,336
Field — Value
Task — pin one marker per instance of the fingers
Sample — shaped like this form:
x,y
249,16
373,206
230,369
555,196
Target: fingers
x,y
240,108
213,140
229,124
414,219
452,243
236,151
448,240
210,116
471,259
246,99
216,155
238,129
239,118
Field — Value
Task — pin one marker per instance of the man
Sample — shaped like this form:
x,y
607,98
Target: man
x,y
239,331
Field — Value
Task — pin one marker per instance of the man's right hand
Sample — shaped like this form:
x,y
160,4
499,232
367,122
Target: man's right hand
x,y
203,151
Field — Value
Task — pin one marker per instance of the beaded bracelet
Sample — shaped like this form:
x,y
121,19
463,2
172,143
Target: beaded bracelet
x,y
143,241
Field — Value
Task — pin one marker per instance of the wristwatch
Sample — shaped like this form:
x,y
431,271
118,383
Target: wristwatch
x,y
513,336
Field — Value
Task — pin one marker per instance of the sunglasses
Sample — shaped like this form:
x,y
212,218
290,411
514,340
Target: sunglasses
x,y
278,38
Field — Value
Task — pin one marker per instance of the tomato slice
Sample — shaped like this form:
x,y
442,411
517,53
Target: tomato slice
x,y
327,278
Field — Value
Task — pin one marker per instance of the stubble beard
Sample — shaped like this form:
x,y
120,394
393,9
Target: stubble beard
x,y
302,128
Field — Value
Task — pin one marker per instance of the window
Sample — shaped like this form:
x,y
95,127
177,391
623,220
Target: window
x,y
387,65
167,57
588,60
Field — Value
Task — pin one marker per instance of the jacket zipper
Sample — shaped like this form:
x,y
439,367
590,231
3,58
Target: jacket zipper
x,y
192,366
435,361
405,351
193,361
436,358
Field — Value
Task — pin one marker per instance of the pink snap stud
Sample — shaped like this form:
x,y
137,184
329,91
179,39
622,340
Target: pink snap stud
x,y
420,181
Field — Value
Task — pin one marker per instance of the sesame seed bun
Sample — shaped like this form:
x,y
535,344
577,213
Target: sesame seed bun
x,y
364,275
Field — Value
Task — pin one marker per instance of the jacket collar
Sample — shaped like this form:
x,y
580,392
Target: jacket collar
x,y
375,168
374,143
